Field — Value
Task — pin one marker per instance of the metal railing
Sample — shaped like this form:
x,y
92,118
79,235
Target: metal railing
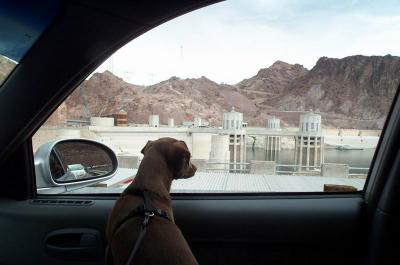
x,y
245,168
358,172
280,169
228,167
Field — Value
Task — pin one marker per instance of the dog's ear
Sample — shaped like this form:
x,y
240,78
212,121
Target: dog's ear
x,y
146,147
181,161
181,157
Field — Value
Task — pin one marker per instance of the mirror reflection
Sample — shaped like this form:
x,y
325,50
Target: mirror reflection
x,y
72,161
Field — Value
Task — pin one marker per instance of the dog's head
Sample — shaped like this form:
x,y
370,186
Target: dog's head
x,y
176,155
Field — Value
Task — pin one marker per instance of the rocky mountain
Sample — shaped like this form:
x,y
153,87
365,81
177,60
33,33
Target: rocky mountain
x,y
272,81
102,94
181,99
353,92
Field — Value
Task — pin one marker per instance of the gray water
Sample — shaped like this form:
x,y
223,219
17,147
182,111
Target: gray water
x,y
354,158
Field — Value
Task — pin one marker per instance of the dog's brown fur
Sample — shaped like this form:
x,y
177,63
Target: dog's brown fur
x,y
164,160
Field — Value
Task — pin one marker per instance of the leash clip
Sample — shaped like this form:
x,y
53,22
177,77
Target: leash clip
x,y
147,216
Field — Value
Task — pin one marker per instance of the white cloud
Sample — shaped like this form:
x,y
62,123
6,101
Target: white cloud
x,y
230,41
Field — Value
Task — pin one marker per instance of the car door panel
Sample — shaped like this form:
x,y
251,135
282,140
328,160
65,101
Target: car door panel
x,y
241,230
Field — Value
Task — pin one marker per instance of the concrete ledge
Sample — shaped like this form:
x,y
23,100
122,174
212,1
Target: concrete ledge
x,y
335,170
128,161
122,175
201,164
262,167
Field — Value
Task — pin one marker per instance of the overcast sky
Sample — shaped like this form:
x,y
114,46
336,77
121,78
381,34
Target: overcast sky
x,y
232,40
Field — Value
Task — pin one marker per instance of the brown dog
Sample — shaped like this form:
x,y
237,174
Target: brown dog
x,y
164,160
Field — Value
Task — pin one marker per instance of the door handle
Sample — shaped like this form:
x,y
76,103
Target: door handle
x,y
79,244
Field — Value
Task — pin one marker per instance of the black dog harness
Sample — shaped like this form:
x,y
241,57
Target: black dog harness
x,y
148,211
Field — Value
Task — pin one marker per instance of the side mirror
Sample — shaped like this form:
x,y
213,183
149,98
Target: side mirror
x,y
70,164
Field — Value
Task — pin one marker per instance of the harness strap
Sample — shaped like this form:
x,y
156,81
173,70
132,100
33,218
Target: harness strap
x,y
142,232
148,211
147,201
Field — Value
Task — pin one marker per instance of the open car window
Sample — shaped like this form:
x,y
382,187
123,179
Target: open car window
x,y
268,98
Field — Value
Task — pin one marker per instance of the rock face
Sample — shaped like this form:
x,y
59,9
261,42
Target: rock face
x,y
6,66
103,94
58,117
181,99
353,92
201,97
271,82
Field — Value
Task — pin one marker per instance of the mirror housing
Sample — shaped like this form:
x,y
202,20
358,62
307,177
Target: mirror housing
x,y
65,165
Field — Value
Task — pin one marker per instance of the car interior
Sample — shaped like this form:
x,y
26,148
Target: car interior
x,y
360,227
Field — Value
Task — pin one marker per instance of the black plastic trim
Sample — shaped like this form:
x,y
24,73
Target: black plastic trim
x,y
62,202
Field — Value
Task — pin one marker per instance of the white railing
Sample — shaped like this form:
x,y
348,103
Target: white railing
x,y
280,169
228,167
296,169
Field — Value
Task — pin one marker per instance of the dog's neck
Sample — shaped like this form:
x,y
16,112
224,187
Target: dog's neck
x,y
153,175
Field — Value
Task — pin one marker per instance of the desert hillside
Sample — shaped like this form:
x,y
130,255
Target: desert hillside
x,y
352,92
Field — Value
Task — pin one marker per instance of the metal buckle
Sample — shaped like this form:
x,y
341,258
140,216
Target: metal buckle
x,y
147,216
150,214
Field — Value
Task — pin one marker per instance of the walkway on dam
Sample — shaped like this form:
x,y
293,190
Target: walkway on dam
x,y
229,182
